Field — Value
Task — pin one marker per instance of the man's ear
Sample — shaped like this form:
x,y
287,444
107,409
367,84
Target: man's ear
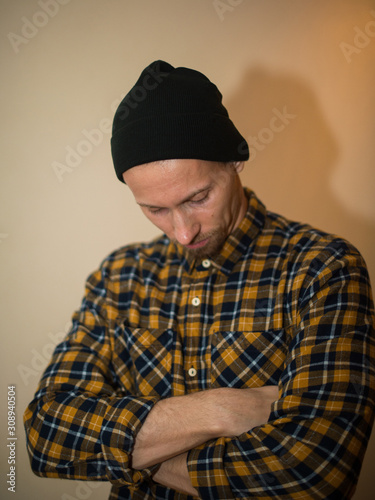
x,y
238,166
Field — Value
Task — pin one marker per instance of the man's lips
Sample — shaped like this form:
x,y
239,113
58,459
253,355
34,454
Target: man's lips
x,y
199,244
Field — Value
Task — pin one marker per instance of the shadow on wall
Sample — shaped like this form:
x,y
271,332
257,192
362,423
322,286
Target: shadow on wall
x,y
294,153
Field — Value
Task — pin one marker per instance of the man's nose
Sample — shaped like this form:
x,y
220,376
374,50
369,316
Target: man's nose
x,y
185,228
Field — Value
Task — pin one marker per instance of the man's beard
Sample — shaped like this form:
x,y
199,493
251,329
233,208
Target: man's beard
x,y
212,247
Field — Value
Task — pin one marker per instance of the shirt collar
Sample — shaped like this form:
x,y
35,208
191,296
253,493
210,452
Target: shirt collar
x,y
238,244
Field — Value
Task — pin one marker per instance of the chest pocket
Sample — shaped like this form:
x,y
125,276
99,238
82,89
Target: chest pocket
x,y
247,359
147,354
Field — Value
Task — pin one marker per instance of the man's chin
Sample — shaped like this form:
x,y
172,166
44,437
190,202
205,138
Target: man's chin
x,y
206,250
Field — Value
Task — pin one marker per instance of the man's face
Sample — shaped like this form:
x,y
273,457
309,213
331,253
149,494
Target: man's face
x,y
194,202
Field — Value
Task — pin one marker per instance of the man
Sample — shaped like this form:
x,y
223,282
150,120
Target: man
x,y
230,358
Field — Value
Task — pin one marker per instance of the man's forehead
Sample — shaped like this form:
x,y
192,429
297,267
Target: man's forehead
x,y
171,182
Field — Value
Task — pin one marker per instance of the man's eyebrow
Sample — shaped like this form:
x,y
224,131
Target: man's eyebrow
x,y
188,198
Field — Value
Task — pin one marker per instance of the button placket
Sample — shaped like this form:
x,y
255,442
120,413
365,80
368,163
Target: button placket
x,y
196,301
197,296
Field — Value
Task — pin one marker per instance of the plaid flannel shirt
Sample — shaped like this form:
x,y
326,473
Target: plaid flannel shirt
x,y
282,304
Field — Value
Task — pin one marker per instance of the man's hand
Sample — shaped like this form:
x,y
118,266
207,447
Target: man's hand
x,y
239,410
178,424
174,474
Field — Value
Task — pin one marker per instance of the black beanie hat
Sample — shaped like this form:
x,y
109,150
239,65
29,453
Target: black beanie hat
x,y
173,113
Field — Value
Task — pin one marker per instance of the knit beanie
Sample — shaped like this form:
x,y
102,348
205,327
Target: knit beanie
x,y
173,113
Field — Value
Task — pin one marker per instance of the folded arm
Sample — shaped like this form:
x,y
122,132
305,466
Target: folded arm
x,y
176,425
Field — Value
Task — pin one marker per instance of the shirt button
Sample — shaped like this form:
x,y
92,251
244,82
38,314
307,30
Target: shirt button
x,y
196,301
206,263
192,372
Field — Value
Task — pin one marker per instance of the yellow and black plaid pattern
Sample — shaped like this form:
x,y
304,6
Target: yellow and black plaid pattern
x,y
282,304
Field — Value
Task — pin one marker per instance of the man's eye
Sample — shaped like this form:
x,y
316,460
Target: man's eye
x,y
202,199
156,211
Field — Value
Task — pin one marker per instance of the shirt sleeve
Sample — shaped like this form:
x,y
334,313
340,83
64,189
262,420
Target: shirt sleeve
x,y
80,425
314,442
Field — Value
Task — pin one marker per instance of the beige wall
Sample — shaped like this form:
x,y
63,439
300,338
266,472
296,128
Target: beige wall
x,y
63,70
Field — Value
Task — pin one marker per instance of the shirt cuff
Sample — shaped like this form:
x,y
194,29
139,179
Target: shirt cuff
x,y
122,421
206,471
